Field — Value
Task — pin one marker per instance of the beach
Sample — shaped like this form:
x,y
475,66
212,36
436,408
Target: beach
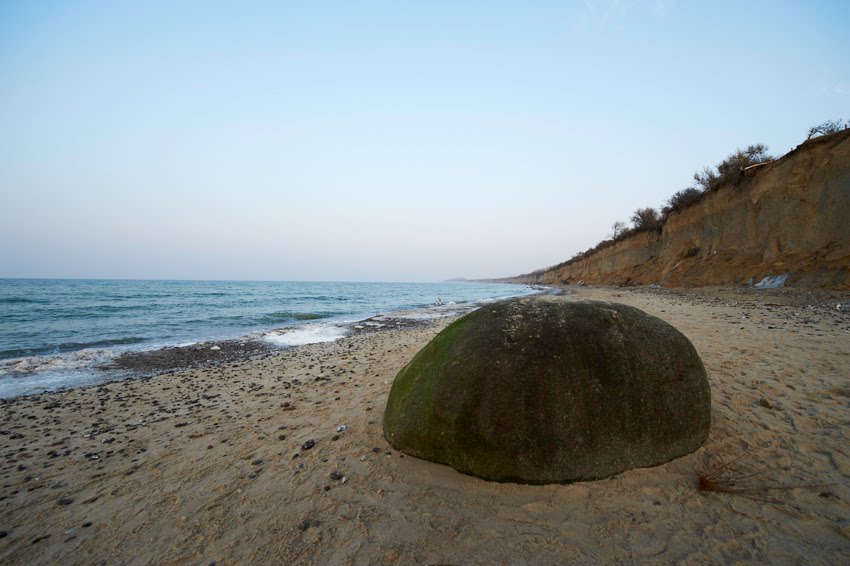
x,y
280,458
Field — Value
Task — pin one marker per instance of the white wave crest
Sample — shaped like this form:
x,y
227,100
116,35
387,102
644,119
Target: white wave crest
x,y
306,334
35,374
54,362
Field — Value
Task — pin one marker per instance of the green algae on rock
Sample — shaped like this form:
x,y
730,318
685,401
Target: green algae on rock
x,y
542,390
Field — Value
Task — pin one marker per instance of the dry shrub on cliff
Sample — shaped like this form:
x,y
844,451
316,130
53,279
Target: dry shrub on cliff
x,y
826,128
682,200
617,229
731,169
646,219
707,179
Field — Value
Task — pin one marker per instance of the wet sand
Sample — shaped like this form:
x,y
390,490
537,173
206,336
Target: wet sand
x,y
240,461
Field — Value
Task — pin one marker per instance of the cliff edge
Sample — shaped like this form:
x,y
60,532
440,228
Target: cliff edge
x,y
791,215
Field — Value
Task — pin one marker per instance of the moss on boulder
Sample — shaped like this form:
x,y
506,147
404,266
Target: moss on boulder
x,y
542,390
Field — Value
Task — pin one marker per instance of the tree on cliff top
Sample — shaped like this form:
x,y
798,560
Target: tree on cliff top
x,y
828,127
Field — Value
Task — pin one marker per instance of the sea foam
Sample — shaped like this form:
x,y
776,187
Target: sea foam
x,y
305,334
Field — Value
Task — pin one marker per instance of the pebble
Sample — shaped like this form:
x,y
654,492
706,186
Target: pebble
x,y
309,444
335,475
306,524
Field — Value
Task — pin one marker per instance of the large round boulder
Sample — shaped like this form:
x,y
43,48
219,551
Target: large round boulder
x,y
545,390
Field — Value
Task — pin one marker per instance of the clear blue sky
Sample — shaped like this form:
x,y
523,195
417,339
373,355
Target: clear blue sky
x,y
380,140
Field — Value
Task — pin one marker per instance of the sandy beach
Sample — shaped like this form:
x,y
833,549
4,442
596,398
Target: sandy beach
x,y
242,462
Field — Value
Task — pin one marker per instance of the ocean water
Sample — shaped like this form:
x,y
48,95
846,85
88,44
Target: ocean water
x,y
53,333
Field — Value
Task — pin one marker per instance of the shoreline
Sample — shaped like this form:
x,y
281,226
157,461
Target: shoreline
x,y
207,354
213,353
99,366
214,464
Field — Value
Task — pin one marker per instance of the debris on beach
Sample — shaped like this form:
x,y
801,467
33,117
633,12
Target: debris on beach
x,y
772,282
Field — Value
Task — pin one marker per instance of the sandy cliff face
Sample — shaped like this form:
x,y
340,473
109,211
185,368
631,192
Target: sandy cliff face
x,y
790,216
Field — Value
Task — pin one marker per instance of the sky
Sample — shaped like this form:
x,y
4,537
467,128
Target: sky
x,y
380,141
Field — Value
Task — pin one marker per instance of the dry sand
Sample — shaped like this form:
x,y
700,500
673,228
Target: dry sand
x,y
207,465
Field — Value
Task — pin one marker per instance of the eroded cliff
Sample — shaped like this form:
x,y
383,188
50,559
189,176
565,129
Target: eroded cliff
x,y
789,216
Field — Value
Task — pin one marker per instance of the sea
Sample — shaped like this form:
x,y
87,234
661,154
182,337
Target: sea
x,y
57,333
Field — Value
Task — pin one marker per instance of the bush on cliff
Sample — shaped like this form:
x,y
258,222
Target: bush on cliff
x,y
646,219
682,200
731,169
617,229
